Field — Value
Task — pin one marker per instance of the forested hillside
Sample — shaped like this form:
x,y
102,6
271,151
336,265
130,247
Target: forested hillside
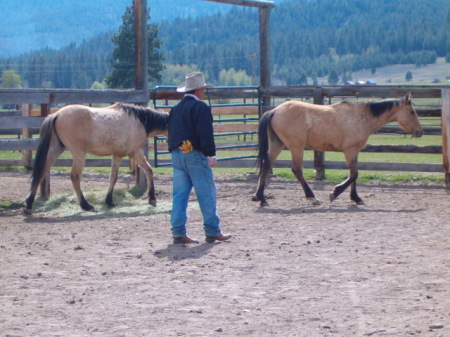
x,y
309,38
70,67
313,38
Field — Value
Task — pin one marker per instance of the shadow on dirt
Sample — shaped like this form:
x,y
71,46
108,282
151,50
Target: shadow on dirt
x,y
182,252
350,209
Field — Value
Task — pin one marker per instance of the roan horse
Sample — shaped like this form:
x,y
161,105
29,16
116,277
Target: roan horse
x,y
342,127
119,130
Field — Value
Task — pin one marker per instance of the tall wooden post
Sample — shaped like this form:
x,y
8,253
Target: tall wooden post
x,y
141,68
445,94
264,53
141,46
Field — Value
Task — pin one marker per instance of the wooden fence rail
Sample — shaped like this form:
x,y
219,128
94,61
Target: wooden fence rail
x,y
46,98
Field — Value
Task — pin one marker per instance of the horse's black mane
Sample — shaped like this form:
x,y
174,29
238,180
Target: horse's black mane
x,y
149,118
378,108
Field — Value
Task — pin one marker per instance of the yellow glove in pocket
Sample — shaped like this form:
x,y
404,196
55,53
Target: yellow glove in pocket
x,y
186,147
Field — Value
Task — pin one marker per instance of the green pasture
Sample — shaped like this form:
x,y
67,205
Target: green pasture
x,y
332,176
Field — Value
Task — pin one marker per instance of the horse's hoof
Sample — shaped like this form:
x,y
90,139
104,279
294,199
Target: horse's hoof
x,y
28,211
314,201
255,198
332,197
264,204
152,203
360,203
109,202
88,208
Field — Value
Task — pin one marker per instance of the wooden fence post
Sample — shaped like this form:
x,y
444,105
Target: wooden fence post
x,y
45,183
446,136
141,69
26,133
264,47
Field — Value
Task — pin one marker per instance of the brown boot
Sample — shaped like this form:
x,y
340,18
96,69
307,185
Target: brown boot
x,y
220,237
183,240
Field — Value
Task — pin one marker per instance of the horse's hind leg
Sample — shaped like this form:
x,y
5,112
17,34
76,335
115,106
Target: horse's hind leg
x,y
354,195
54,152
275,148
112,180
259,195
297,169
143,163
75,176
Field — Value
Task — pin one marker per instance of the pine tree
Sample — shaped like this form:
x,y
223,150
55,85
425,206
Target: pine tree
x,y
333,78
122,62
408,76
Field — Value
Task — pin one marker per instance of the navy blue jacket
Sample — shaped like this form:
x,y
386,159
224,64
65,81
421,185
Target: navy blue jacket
x,y
191,119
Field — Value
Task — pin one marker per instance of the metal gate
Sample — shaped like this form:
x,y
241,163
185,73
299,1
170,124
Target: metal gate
x,y
224,102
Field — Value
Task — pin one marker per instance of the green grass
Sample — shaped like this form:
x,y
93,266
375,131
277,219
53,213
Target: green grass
x,y
332,175
10,206
66,205
337,176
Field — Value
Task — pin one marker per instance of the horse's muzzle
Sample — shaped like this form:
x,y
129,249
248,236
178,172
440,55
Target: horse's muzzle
x,y
418,133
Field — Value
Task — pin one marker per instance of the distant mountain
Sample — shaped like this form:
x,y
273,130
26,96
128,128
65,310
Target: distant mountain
x,y
28,25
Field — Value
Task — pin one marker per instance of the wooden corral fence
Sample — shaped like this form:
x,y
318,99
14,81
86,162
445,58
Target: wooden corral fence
x,y
26,121
26,125
327,95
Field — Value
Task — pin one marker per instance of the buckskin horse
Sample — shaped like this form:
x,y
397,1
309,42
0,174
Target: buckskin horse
x,y
342,127
119,130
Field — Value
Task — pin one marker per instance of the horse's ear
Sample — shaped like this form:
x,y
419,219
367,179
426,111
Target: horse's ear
x,y
408,98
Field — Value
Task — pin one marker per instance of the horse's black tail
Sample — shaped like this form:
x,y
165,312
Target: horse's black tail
x,y
262,161
45,135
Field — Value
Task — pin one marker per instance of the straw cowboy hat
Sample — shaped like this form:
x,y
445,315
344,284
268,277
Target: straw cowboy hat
x,y
193,81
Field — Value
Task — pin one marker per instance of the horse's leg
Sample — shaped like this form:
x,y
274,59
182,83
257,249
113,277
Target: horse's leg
x,y
54,152
144,164
297,168
115,164
352,162
275,147
354,195
259,195
75,176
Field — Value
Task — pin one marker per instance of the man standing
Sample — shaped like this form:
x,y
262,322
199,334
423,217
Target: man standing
x,y
191,142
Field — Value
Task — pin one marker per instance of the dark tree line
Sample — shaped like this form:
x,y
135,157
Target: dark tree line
x,y
73,67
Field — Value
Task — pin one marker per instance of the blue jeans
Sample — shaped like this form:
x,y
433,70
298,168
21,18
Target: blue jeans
x,y
192,170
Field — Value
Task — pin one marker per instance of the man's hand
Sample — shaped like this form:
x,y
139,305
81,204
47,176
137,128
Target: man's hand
x,y
212,162
186,147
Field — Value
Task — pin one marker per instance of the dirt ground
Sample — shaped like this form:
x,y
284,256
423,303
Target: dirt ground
x,y
291,269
